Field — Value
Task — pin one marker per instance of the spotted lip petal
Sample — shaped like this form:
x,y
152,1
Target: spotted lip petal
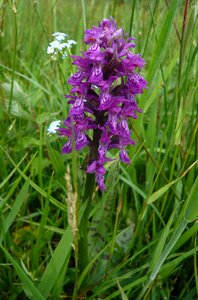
x,y
124,156
94,53
102,97
112,123
77,107
67,148
96,75
136,83
105,101
100,182
76,78
81,141
123,128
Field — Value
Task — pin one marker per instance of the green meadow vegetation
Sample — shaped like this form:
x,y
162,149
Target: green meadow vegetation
x,y
142,231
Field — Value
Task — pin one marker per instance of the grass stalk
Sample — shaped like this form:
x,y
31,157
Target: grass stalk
x,y
14,56
132,16
84,14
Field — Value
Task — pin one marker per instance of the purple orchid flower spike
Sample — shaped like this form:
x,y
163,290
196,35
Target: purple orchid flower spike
x,y
102,97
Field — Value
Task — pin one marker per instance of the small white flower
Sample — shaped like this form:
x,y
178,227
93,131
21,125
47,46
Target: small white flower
x,y
60,38
55,44
54,126
59,34
68,46
70,42
64,55
62,46
50,50
58,45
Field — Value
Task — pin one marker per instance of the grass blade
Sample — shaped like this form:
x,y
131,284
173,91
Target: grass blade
x,y
164,255
161,243
28,286
162,44
156,195
57,263
17,206
123,295
162,40
192,207
35,186
168,249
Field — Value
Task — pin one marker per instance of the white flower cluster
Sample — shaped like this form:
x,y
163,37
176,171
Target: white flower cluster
x,y
53,127
58,45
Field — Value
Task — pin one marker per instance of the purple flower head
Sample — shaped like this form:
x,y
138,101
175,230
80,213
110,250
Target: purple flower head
x,y
102,97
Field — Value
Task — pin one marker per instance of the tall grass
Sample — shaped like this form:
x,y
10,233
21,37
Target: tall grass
x,y
143,230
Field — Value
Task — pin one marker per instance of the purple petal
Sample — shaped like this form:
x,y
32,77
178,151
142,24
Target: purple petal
x,y
124,141
118,33
115,142
100,182
112,123
105,137
94,53
136,83
102,150
124,156
96,167
92,167
64,132
129,109
67,148
96,75
100,169
108,25
81,89
105,84
105,101
136,59
132,62
81,141
77,107
123,128
76,78
80,61
93,35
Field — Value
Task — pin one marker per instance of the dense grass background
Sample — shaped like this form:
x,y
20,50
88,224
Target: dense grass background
x,y
143,229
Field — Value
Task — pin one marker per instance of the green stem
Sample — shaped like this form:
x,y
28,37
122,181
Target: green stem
x,y
88,192
83,244
132,16
84,14
14,58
